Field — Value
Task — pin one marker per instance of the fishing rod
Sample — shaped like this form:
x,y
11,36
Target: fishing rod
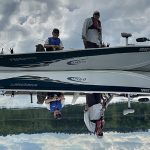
x,y
5,44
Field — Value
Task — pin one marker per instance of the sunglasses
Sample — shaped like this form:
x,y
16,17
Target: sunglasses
x,y
56,32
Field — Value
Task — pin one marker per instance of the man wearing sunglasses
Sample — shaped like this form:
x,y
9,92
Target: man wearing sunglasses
x,y
94,112
92,31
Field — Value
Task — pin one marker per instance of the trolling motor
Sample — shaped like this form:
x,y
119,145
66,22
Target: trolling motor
x,y
126,35
129,110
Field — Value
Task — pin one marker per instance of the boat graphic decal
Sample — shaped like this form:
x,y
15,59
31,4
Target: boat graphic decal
x,y
145,90
77,79
144,49
76,61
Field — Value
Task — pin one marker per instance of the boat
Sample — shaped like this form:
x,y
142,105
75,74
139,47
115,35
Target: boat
x,y
129,58
100,81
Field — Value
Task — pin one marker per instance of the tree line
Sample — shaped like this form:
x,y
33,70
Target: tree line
x,y
15,121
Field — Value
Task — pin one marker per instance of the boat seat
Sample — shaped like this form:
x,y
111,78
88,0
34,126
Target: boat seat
x,y
126,35
39,48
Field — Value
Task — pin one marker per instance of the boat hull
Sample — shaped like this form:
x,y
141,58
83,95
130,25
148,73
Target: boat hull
x,y
131,58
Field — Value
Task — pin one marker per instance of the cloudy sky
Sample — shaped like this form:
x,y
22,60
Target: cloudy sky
x,y
25,23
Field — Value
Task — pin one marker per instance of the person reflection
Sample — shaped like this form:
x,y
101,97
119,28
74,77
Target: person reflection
x,y
94,112
55,102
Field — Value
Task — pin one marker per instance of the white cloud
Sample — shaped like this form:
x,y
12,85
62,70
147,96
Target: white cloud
x,y
37,18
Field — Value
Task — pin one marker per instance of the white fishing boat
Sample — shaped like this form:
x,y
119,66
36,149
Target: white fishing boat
x,y
123,69
130,58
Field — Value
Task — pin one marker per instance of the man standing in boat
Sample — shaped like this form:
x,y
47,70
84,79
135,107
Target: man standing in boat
x,y
55,103
94,112
54,43
92,31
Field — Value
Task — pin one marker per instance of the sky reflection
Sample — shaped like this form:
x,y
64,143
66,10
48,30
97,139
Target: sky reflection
x,y
46,141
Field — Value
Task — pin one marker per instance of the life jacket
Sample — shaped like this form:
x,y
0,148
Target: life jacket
x,y
94,26
53,41
55,105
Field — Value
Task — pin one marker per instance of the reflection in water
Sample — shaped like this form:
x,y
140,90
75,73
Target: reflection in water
x,y
17,128
15,121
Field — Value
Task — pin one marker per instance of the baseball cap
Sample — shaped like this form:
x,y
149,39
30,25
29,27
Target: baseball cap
x,y
96,13
55,30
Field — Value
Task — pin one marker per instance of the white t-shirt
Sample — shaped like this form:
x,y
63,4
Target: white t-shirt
x,y
91,35
93,113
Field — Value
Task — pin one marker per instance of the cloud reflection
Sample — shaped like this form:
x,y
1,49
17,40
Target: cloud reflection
x,y
47,141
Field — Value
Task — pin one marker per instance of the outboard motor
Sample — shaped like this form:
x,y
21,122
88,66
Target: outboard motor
x,y
144,100
142,39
